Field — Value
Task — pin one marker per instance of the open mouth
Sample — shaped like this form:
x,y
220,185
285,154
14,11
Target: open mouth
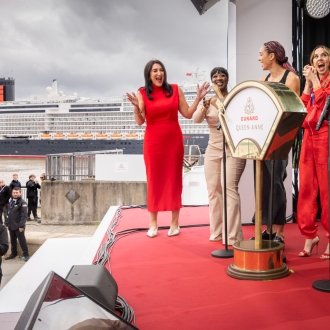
x,y
220,83
321,66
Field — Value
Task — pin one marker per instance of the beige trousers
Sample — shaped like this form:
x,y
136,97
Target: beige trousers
x,y
213,167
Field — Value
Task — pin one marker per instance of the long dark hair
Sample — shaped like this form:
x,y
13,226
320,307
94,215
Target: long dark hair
x,y
167,88
279,52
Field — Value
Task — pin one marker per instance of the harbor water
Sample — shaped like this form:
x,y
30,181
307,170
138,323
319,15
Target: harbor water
x,y
23,167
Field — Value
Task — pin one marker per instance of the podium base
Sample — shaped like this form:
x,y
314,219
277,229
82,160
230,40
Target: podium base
x,y
222,253
258,264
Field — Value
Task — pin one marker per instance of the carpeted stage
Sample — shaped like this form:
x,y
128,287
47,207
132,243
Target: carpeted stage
x,y
175,283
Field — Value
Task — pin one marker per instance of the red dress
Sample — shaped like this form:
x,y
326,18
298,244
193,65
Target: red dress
x,y
163,150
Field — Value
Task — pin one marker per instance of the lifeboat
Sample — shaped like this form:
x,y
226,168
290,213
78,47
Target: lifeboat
x,y
87,136
116,136
73,136
45,136
59,136
101,136
130,136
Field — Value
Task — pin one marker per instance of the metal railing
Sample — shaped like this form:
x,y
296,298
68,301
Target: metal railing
x,y
73,166
23,195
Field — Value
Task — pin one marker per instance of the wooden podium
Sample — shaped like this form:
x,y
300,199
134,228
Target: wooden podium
x,y
260,121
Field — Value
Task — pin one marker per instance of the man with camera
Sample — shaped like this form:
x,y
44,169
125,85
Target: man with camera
x,y
32,187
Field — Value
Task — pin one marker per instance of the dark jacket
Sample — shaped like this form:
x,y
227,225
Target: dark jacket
x,y
3,243
5,194
17,214
14,184
32,189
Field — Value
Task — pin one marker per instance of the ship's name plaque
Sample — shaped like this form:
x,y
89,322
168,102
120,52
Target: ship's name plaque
x,y
261,120
251,116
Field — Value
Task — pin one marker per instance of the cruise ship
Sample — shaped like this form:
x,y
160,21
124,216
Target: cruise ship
x,y
54,123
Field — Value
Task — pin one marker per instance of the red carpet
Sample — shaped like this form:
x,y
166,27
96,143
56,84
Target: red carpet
x,y
175,283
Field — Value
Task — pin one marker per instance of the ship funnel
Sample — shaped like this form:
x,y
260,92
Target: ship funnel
x,y
54,87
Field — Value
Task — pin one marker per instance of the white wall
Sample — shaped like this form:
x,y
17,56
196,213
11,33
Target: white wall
x,y
251,24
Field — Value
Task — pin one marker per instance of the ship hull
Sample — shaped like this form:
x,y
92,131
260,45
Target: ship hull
x,y
40,148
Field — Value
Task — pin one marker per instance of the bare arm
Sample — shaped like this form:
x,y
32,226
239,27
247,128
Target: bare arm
x,y
186,110
293,82
139,107
199,114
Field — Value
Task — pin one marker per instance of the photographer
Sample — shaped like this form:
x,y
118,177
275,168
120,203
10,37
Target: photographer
x,y
32,187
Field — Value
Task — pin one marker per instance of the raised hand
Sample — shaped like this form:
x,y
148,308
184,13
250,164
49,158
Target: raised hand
x,y
133,99
202,90
309,72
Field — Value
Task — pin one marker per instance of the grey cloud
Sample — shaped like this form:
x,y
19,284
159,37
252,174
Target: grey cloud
x,y
100,47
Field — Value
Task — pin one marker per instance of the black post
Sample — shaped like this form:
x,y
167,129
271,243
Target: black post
x,y
224,253
324,285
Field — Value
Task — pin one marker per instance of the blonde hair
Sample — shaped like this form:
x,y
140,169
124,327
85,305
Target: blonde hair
x,y
326,49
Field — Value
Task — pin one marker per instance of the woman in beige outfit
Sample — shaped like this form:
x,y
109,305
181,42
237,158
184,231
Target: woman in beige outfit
x,y
213,167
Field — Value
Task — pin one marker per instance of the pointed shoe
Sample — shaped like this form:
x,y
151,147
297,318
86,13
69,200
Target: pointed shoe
x,y
152,232
173,232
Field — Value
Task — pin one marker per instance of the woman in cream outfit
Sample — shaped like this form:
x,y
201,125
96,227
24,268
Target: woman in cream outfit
x,y
213,167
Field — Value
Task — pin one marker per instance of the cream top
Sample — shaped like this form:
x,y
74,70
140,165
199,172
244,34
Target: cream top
x,y
211,116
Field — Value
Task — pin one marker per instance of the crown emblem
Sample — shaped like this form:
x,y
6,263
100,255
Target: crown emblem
x,y
249,107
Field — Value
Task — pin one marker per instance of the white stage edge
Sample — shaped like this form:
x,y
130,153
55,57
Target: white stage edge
x,y
56,254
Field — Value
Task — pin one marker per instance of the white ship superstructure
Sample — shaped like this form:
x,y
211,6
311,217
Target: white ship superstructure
x,y
55,116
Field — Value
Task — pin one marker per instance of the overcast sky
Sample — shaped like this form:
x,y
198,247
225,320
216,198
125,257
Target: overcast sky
x,y
100,47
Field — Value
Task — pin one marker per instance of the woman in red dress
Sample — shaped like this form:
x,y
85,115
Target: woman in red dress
x,y
313,163
157,104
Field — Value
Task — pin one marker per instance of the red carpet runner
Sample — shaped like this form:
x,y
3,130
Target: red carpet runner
x,y
175,283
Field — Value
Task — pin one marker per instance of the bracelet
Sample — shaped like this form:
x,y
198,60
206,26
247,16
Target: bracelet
x,y
316,88
138,113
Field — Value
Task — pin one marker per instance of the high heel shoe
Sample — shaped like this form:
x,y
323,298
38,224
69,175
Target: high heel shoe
x,y
152,232
315,241
173,232
326,255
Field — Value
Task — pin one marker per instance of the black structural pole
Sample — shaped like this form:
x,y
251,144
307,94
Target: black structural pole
x,y
271,203
324,285
226,253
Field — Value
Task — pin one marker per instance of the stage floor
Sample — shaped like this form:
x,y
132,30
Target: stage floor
x,y
175,283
